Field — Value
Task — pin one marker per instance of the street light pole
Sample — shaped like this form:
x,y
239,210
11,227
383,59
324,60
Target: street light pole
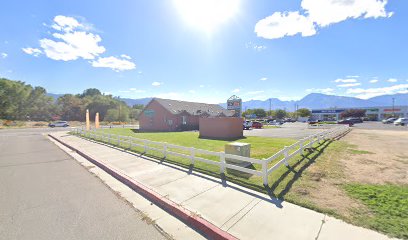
x,y
393,108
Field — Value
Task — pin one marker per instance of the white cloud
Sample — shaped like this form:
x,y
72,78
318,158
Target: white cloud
x,y
255,46
201,86
373,81
137,90
192,91
74,45
279,25
392,80
349,85
126,56
113,63
157,84
318,13
74,40
353,76
263,79
3,55
32,51
236,90
373,92
321,90
326,12
348,80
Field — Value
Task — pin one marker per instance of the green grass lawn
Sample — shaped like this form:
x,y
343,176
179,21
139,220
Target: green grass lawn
x,y
280,181
261,147
388,206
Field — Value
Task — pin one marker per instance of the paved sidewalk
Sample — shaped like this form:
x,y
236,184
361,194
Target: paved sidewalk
x,y
244,213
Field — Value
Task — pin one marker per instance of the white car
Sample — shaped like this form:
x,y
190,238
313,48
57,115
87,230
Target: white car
x,y
247,125
59,124
401,121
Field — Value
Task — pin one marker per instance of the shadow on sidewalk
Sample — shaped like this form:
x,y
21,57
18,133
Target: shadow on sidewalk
x,y
276,193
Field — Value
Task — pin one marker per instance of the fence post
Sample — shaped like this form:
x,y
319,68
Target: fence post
x,y
118,140
130,143
192,153
145,146
222,161
301,146
286,154
109,138
265,172
165,150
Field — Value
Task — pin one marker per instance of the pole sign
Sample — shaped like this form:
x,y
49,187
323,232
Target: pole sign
x,y
329,111
234,104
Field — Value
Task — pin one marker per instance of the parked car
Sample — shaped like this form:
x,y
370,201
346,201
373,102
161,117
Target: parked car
x,y
59,124
247,125
401,122
345,121
289,120
257,125
355,120
313,121
275,122
389,120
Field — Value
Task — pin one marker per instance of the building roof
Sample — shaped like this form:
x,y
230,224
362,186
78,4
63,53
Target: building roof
x,y
193,108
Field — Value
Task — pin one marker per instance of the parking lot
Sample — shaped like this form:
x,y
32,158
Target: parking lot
x,y
295,130
299,130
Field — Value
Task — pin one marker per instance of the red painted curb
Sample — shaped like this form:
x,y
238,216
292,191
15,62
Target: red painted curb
x,y
203,226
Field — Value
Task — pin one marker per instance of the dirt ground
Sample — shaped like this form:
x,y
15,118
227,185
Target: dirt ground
x,y
386,159
363,156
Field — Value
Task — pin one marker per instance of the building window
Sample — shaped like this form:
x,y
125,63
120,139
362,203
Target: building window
x,y
184,120
170,122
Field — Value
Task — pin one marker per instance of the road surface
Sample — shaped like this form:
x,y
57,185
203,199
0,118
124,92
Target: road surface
x,y
45,194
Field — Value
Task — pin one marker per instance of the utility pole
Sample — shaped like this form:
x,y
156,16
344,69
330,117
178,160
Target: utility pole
x,y
393,107
270,108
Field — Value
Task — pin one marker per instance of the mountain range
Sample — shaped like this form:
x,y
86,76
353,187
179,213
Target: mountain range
x,y
311,101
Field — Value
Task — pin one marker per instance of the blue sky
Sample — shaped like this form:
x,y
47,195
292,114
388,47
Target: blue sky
x,y
208,50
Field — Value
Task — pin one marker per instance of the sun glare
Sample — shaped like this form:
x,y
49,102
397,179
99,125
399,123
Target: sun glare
x,y
206,15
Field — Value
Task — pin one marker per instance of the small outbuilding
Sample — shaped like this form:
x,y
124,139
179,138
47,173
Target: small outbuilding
x,y
173,115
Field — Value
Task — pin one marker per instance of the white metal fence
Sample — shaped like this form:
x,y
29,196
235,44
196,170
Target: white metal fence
x,y
191,153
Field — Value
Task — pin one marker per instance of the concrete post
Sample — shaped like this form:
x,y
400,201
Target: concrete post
x,y
97,120
87,120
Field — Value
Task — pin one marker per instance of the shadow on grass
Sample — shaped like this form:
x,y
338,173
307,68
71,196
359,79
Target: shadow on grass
x,y
231,175
306,160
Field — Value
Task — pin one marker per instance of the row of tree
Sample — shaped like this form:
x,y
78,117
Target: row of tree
x,y
277,114
20,101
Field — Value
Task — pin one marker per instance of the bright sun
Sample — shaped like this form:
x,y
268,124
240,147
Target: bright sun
x,y
207,15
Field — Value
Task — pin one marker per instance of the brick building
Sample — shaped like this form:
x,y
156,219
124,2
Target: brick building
x,y
173,115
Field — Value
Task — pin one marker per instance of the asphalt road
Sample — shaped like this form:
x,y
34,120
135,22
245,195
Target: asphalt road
x,y
45,194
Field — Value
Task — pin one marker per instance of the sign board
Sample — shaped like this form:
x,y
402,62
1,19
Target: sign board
x,y
392,110
329,111
234,104
149,113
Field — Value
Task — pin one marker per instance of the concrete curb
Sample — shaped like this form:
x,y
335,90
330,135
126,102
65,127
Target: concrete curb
x,y
208,229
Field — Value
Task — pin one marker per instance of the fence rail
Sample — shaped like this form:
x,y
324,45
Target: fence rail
x,y
283,156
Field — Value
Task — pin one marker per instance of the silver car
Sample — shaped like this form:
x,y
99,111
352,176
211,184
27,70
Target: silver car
x,y
59,124
401,122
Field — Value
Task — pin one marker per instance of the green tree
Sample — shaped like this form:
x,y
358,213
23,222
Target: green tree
x,y
280,114
91,92
303,112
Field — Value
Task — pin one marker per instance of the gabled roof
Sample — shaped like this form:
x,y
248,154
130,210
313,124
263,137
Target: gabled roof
x,y
193,108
